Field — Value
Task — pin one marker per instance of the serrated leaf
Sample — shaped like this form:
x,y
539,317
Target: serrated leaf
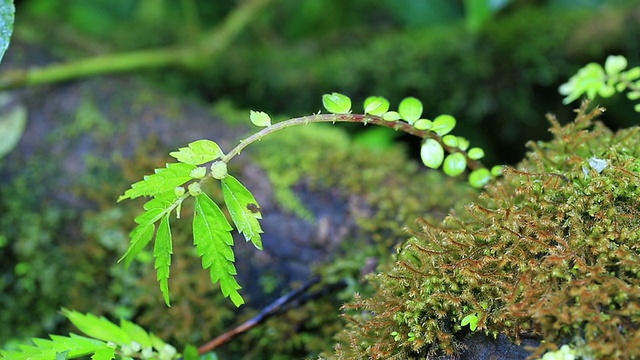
x,y
410,109
106,353
443,124
136,333
198,152
97,327
162,252
213,241
140,236
44,349
336,103
432,153
454,164
163,180
376,105
244,210
259,118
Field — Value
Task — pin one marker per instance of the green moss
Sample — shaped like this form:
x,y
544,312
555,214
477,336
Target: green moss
x,y
551,250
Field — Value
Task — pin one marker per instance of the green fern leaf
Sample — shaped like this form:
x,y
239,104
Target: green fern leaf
x,y
244,210
98,327
155,208
198,152
164,179
76,345
213,240
162,252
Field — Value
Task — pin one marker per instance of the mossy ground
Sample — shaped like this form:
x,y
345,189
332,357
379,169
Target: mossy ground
x,y
549,251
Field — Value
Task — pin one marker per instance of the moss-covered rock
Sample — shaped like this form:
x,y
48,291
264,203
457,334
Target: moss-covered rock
x,y
548,252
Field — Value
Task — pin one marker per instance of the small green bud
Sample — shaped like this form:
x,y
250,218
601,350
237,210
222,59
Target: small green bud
x,y
179,191
219,170
198,173
195,189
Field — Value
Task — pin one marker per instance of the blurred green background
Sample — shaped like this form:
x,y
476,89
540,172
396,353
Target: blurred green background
x,y
495,65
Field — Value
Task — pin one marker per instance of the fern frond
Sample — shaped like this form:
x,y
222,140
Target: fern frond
x,y
244,210
162,252
164,179
212,237
155,208
75,346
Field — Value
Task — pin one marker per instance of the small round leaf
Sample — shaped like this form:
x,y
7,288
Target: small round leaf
x,y
454,164
432,153
450,140
479,177
633,95
443,124
260,118
615,64
476,153
410,109
497,170
336,103
463,144
423,124
391,116
376,105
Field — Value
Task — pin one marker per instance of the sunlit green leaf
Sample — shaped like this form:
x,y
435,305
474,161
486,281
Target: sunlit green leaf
x,y
463,144
423,124
259,118
190,353
637,108
44,349
136,333
198,152
454,164
163,180
98,327
471,320
376,105
336,103
450,140
213,240
410,109
162,253
140,236
633,95
432,153
497,170
479,177
615,64
632,74
391,116
443,124
475,153
244,210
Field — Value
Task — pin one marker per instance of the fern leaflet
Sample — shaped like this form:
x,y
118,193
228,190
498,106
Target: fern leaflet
x,y
162,252
76,345
244,210
164,179
212,237
155,208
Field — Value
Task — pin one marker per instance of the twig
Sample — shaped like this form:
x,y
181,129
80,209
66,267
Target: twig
x,y
266,313
210,48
